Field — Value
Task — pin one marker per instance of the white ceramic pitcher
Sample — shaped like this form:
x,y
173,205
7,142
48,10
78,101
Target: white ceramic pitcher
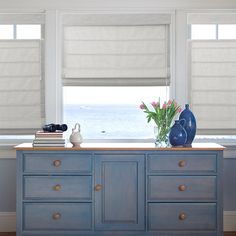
x,y
75,137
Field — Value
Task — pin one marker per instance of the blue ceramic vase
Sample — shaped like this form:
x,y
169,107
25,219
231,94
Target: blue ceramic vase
x,y
190,124
177,135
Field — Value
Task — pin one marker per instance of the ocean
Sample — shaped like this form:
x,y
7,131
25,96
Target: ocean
x,y
108,121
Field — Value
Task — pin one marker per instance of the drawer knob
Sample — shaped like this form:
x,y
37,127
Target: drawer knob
x,y
98,187
56,216
182,187
182,163
57,187
57,163
182,216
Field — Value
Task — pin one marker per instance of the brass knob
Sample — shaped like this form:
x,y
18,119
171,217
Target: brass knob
x,y
98,187
182,163
182,216
57,187
182,187
56,216
57,163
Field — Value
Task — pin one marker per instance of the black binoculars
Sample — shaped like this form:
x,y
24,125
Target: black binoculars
x,y
54,127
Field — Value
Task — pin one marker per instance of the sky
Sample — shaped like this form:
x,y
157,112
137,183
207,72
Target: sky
x,y
113,95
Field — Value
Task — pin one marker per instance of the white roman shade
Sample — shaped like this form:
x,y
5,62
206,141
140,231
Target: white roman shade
x,y
123,50
213,85
21,105
22,109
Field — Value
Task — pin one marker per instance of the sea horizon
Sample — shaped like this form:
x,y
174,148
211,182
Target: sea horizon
x,y
108,121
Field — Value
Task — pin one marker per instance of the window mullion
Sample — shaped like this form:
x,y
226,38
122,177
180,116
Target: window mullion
x,y
217,31
14,32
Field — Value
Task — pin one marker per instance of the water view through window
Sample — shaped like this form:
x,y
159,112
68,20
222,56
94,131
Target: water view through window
x,y
111,112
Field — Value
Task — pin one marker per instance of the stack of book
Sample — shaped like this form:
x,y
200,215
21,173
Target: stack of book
x,y
49,139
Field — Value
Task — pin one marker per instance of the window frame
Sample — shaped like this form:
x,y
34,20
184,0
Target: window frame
x,y
178,61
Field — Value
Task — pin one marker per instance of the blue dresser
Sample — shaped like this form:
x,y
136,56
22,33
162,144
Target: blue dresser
x,y
120,190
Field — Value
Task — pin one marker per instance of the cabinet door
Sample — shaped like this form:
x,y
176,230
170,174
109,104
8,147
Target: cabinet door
x,y
119,192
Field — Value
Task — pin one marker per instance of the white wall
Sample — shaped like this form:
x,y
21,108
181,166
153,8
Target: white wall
x,y
181,7
101,4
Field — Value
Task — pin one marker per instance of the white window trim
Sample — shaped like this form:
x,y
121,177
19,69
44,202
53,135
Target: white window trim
x,y
53,91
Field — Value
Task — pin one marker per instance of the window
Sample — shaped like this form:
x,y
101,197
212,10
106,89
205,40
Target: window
x,y
227,31
21,74
213,31
6,31
110,112
15,31
203,31
212,73
28,31
112,64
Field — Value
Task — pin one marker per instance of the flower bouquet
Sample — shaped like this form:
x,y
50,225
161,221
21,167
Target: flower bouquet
x,y
163,116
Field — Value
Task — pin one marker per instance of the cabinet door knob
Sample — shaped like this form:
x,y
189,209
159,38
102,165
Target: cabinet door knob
x,y
182,187
56,216
182,163
57,187
182,216
98,187
57,163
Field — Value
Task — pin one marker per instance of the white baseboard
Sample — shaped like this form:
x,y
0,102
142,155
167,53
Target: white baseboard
x,y
8,221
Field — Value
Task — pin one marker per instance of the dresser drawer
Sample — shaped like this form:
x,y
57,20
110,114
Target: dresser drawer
x,y
58,187
181,188
182,162
182,216
57,216
52,162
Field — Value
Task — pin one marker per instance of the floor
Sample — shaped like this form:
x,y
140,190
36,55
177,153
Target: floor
x,y
13,234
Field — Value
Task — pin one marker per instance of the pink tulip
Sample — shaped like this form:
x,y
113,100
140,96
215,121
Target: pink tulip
x,y
141,106
169,102
164,106
154,104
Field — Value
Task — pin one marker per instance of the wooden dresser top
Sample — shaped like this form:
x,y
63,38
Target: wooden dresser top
x,y
122,146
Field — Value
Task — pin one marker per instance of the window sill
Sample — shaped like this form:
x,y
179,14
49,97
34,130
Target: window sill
x,y
10,141
226,140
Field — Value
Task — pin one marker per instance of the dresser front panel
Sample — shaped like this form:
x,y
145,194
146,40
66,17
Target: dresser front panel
x,y
156,192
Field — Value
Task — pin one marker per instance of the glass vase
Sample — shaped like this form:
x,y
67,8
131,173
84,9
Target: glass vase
x,y
161,136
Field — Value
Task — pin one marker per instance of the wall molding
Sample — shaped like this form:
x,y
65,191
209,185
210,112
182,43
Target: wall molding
x,y
8,221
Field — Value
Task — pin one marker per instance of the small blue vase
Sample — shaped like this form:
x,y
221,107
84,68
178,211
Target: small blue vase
x,y
177,135
190,124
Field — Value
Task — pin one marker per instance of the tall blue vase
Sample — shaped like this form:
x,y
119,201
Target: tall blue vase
x,y
177,135
190,124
